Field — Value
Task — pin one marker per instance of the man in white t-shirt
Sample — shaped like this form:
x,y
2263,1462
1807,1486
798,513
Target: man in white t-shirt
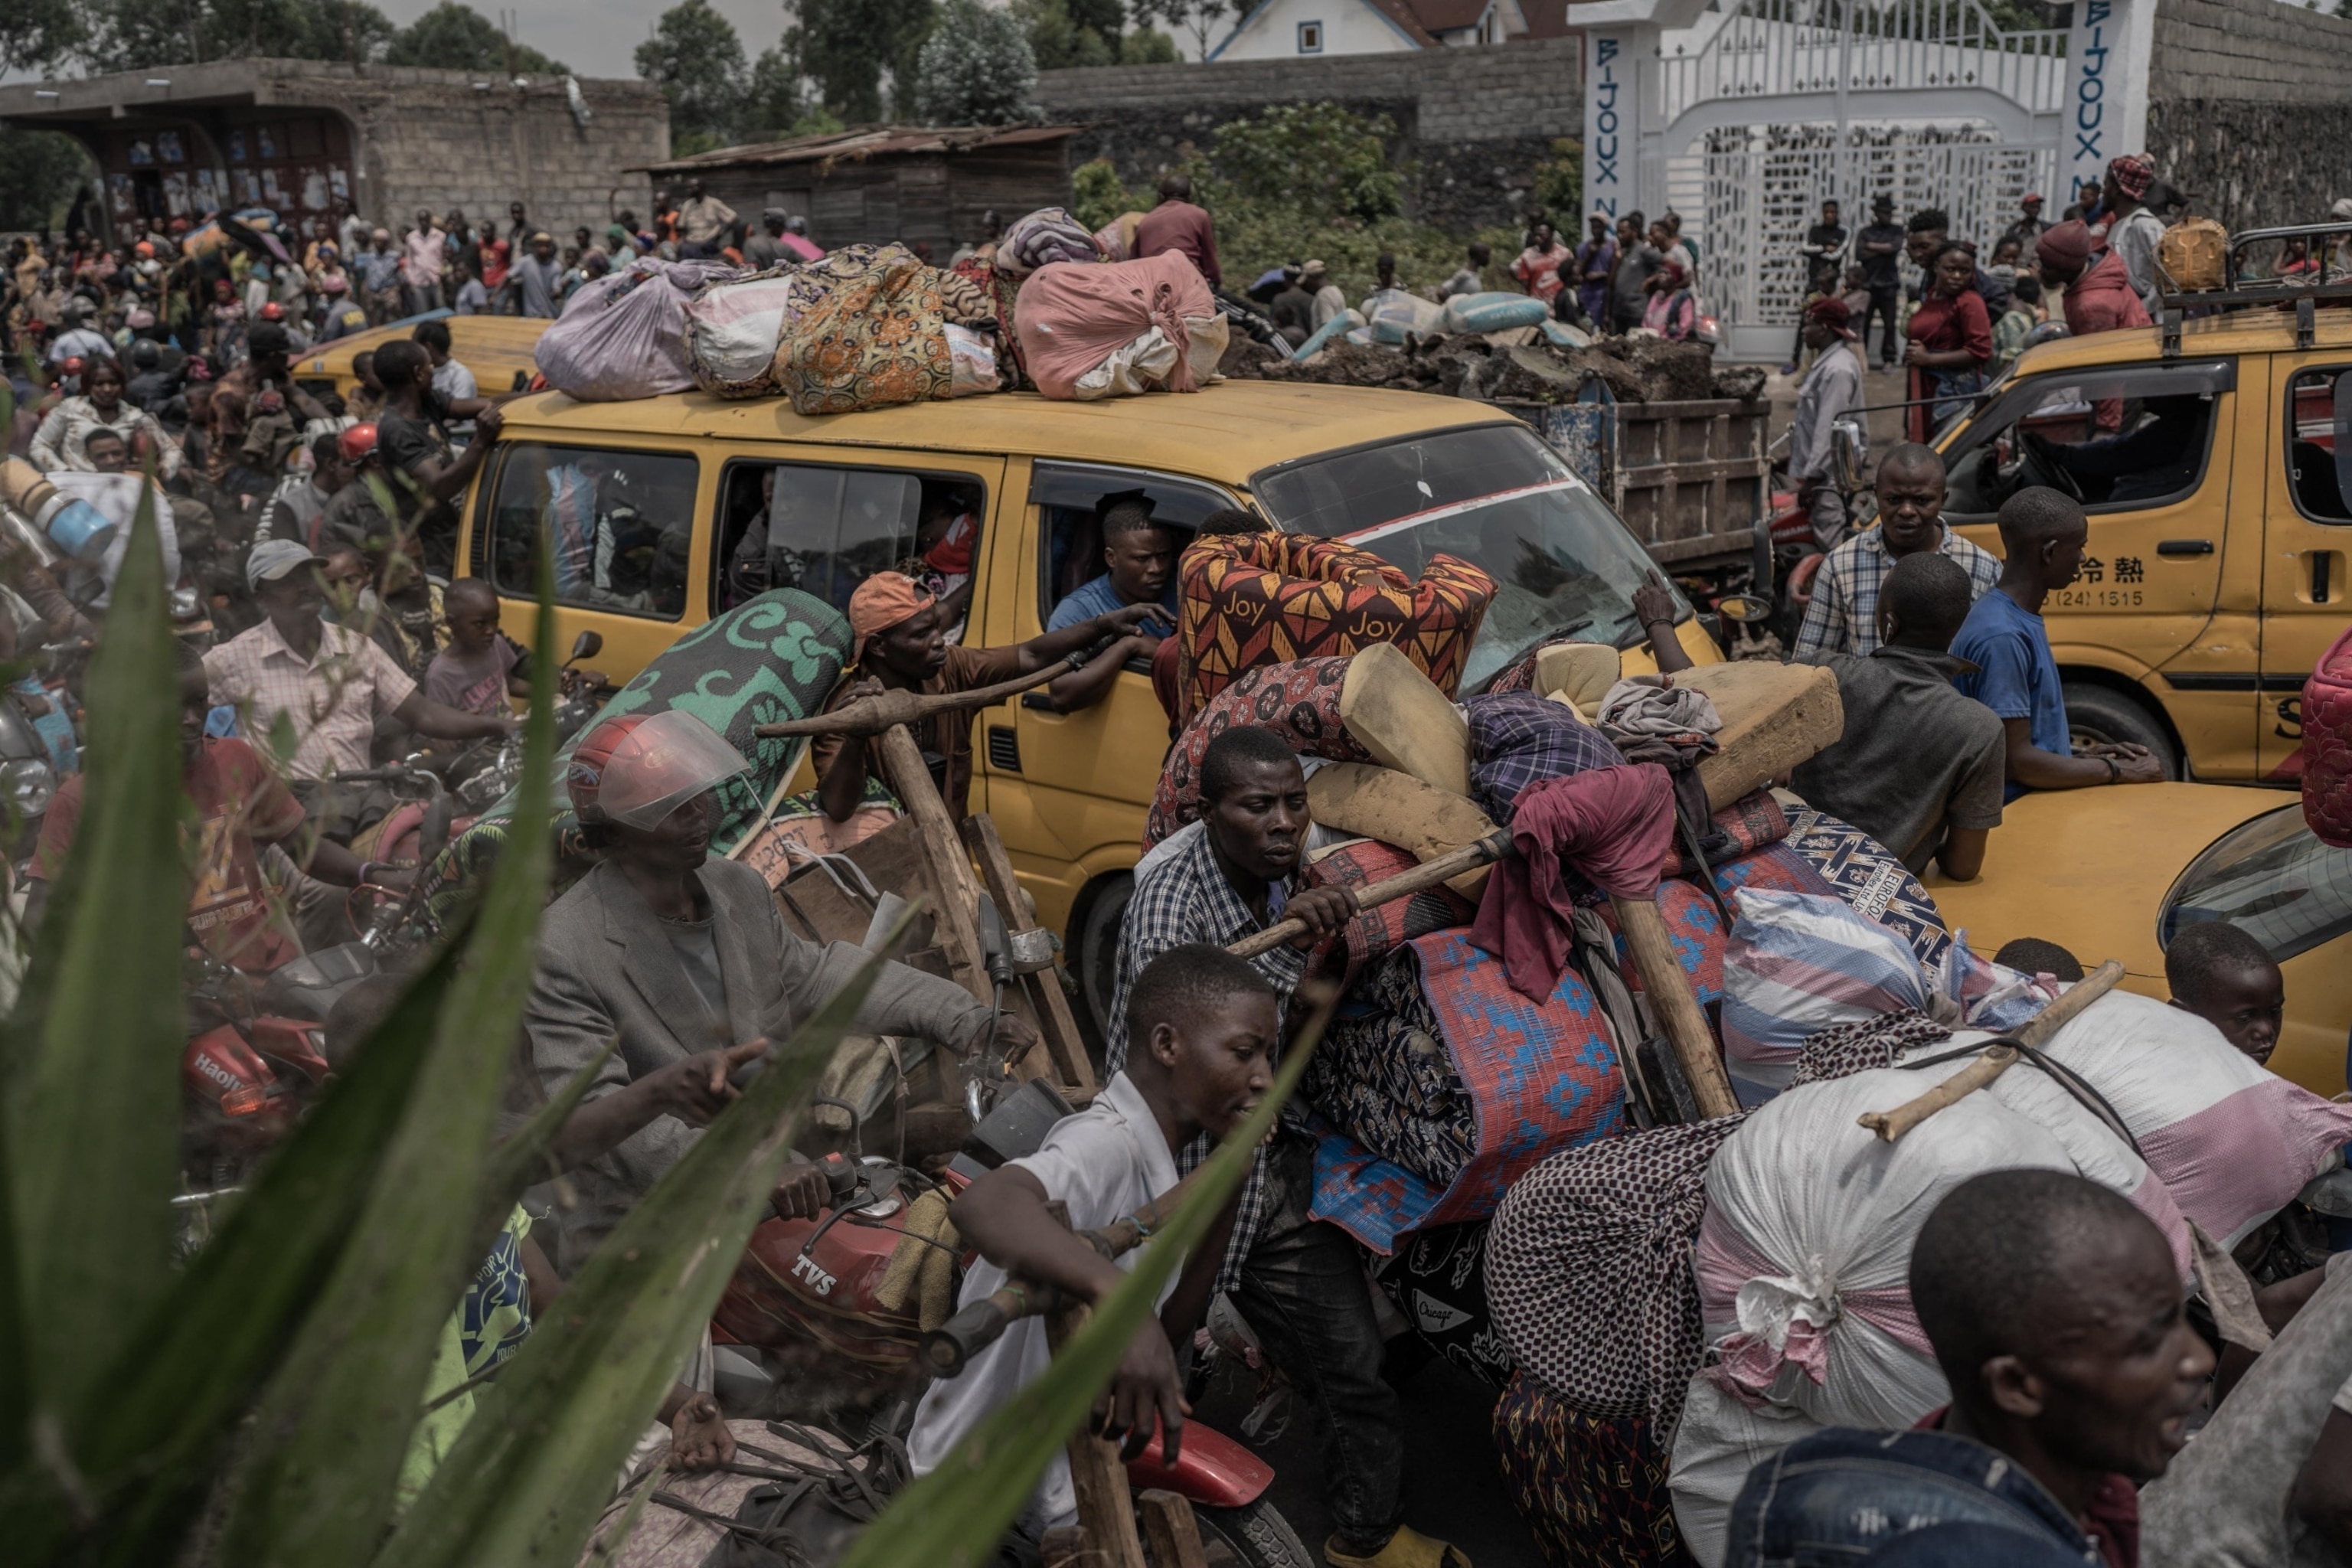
x,y
1202,1027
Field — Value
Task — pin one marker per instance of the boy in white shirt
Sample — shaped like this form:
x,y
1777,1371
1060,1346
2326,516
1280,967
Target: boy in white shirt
x,y
1202,1026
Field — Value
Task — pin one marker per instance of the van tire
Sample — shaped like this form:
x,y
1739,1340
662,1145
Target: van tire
x,y
2097,713
1096,947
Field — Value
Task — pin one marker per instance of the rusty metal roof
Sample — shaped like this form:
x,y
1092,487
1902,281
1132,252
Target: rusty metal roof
x,y
867,141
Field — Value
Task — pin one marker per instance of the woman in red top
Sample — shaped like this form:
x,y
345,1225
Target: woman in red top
x,y
1951,340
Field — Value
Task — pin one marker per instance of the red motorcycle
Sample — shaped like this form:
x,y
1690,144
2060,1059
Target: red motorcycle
x,y
803,1312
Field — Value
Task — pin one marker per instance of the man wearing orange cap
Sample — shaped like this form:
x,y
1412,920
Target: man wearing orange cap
x,y
901,645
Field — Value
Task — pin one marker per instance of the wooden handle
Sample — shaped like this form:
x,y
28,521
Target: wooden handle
x,y
872,715
1669,991
1428,874
1891,1125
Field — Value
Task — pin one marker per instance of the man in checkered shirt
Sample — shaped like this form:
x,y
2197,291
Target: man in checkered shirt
x,y
1298,1281
309,694
1844,614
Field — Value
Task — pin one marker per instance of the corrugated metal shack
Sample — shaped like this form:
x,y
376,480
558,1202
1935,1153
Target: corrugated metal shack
x,y
908,183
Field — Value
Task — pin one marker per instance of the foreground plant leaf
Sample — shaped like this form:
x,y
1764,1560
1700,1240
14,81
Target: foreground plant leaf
x,y
148,1437
953,1516
537,1464
333,1426
94,1093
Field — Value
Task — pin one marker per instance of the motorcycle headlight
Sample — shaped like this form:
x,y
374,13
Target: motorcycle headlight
x,y
185,604
29,785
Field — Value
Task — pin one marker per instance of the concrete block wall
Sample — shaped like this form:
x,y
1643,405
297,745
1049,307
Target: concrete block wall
x,y
2248,108
1476,121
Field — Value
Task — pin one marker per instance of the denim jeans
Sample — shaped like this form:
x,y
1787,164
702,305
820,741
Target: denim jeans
x,y
1304,1291
1842,1495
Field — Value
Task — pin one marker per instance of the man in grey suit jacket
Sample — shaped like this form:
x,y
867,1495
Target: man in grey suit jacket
x,y
680,956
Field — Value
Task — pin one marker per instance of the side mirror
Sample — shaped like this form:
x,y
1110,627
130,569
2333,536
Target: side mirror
x,y
2343,435
588,644
1845,454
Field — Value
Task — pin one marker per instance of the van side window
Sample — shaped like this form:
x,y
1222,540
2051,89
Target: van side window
x,y
621,524
1072,501
825,529
2311,443
2117,440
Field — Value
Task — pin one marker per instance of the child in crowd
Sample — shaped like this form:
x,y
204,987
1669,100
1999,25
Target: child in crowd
x,y
2025,314
2033,955
2223,974
1202,1025
482,667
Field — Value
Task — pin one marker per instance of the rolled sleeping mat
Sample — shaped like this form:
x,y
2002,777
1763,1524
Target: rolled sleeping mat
x,y
76,528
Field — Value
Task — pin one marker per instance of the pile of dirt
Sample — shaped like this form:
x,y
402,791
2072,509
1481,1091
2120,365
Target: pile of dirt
x,y
1634,370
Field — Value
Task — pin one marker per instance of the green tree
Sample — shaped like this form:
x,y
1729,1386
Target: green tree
x,y
454,36
1058,40
772,107
1147,46
976,69
847,46
1204,20
137,35
698,61
1316,157
39,172
36,34
1097,195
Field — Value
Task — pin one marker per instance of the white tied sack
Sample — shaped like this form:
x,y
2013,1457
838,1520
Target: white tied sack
x,y
624,336
1804,1255
1145,363
2231,1140
972,359
732,330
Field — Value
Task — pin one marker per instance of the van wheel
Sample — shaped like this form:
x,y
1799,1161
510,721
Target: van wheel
x,y
2101,715
1097,959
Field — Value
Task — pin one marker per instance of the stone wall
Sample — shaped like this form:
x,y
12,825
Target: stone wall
x,y
428,138
2248,108
1476,121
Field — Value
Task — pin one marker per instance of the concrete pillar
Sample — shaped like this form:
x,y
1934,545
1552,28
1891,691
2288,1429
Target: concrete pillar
x,y
2105,113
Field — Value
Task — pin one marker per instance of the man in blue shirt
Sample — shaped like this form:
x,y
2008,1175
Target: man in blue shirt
x,y
2041,537
1141,555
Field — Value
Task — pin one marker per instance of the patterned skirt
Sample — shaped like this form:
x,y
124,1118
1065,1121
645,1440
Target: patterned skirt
x,y
1591,1487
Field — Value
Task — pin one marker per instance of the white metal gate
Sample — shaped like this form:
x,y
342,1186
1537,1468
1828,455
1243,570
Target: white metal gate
x,y
1773,106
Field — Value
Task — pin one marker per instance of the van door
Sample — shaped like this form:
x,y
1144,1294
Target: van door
x,y
1070,791
622,518
2307,531
2148,449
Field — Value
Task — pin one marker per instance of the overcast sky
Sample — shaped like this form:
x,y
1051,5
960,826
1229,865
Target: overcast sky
x,y
596,37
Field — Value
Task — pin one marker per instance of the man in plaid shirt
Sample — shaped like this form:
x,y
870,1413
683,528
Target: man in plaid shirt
x,y
1298,1281
1844,614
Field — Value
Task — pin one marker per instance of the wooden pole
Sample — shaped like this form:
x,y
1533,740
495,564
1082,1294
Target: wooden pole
x,y
897,705
1175,1534
1063,1045
1428,874
1891,1125
1105,1509
951,868
1671,997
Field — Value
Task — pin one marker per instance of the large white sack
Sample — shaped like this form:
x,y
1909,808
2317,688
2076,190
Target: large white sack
x,y
1719,1441
1797,964
2231,1140
624,336
733,328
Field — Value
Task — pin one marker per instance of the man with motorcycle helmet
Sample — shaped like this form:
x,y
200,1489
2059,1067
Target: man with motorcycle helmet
x,y
676,952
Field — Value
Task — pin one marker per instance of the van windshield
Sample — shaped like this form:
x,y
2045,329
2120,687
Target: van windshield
x,y
2272,877
1494,496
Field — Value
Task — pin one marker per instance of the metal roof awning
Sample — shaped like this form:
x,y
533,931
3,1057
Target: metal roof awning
x,y
867,142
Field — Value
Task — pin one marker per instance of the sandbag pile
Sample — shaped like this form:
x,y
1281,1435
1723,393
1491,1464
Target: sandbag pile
x,y
1498,366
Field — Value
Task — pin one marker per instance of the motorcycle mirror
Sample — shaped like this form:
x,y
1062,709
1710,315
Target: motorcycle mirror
x,y
995,943
1845,454
1743,608
587,644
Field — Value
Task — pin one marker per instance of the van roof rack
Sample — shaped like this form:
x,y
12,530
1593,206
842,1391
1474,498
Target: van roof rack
x,y
2326,284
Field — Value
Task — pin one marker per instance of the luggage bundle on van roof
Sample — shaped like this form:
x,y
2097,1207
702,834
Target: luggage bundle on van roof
x,y
871,326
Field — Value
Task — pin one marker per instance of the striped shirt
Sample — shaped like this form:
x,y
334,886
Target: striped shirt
x,y
1844,615
1181,899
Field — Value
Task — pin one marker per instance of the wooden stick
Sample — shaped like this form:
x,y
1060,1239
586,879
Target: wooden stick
x,y
1891,1125
1671,997
951,868
1064,1044
1175,1534
894,705
1428,874
1106,1513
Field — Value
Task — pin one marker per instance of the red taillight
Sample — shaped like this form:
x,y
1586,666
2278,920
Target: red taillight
x,y
250,1100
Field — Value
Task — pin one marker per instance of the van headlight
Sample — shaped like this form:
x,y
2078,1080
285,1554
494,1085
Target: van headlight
x,y
29,785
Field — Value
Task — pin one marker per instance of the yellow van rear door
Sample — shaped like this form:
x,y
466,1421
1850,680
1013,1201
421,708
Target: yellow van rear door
x,y
2306,544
